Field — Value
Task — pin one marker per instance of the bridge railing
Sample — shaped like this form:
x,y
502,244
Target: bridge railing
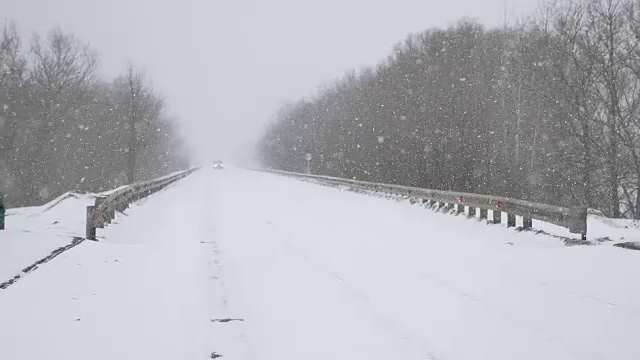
x,y
572,218
103,211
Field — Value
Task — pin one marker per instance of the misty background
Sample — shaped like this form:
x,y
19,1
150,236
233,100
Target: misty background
x,y
225,67
531,100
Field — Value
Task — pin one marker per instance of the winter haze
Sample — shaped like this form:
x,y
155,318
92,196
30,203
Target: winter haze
x,y
226,66
319,179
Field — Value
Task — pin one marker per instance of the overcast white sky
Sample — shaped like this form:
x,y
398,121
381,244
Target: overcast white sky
x,y
225,66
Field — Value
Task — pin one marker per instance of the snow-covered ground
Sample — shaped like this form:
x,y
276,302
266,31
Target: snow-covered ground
x,y
296,271
34,232
601,230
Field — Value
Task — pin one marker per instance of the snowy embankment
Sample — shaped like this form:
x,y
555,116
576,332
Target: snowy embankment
x,y
601,230
617,231
140,292
37,234
243,265
34,232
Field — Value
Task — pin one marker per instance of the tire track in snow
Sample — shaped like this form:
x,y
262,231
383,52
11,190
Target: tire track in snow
x,y
493,308
36,265
228,330
384,321
388,322
501,314
223,332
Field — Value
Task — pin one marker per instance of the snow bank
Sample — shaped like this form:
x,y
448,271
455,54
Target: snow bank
x,y
34,232
140,293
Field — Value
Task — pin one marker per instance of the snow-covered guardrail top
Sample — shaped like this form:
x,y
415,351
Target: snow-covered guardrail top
x,y
117,200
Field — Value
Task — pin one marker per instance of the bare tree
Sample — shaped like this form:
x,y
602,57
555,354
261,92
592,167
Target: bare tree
x,y
61,128
12,71
547,110
63,79
606,32
141,112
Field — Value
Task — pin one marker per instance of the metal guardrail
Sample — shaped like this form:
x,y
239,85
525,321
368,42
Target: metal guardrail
x,y
101,214
574,218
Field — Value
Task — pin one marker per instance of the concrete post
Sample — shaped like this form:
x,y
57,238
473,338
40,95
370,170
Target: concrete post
x,y
99,201
578,221
527,222
472,211
447,208
511,220
90,228
497,217
484,214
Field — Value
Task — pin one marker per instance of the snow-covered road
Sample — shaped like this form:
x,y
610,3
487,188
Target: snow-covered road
x,y
246,265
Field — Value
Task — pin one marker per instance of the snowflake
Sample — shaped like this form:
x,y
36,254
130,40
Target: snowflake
x,y
43,192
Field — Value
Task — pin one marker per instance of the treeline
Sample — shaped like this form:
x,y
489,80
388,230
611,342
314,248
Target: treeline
x,y
63,128
545,111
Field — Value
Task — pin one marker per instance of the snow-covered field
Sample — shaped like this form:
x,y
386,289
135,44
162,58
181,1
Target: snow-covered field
x,y
246,265
33,233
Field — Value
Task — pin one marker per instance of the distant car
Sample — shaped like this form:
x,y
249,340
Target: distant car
x,y
218,164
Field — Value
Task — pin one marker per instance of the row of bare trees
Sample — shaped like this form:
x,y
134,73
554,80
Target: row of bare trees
x,y
548,111
63,128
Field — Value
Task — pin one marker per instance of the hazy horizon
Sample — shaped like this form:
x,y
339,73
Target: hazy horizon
x,y
211,59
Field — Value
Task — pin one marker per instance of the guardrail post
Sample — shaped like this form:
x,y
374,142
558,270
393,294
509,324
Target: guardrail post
x,y
99,201
496,217
111,214
484,214
511,220
472,211
578,221
2,212
527,222
91,228
447,207
459,209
